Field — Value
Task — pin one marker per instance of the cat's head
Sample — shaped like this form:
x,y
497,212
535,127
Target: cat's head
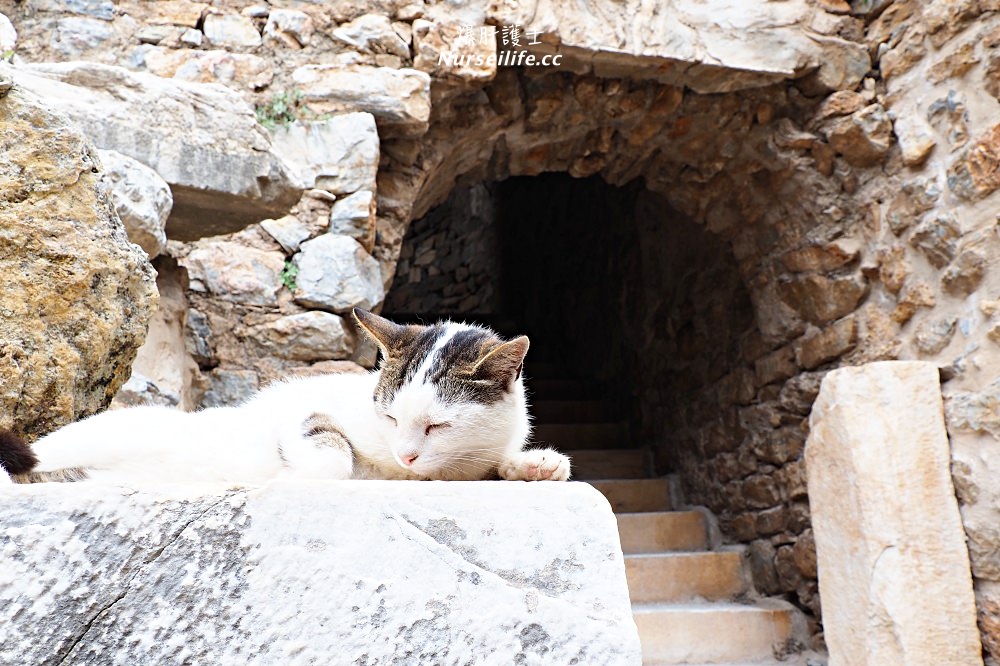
x,y
451,394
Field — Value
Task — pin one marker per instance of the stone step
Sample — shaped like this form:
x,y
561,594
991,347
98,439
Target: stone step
x,y
562,389
572,411
662,531
676,577
633,495
717,633
609,464
566,436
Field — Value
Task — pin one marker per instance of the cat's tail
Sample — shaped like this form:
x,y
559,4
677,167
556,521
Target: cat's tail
x,y
16,457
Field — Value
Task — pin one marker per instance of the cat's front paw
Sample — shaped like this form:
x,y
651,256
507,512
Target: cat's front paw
x,y
536,465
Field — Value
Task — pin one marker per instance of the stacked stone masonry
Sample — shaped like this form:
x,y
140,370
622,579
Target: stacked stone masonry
x,y
840,192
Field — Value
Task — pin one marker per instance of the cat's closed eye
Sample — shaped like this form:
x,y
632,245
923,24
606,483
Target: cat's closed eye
x,y
435,426
392,418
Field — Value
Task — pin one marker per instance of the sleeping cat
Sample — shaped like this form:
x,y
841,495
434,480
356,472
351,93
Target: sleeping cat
x,y
447,402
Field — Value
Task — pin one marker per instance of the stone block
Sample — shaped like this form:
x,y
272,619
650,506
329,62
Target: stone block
x,y
234,272
142,200
400,99
827,344
231,31
203,139
239,70
306,336
354,216
344,572
895,582
339,154
337,274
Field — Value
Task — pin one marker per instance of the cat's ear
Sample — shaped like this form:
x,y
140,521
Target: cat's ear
x,y
504,362
389,336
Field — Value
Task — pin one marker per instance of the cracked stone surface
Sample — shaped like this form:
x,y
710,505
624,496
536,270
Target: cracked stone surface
x,y
374,572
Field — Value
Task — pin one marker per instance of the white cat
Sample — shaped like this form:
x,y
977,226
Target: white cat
x,y
447,402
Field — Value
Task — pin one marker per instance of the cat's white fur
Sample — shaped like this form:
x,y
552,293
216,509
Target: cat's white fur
x,y
265,438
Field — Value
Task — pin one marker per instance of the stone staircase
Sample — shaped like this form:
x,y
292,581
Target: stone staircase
x,y
692,598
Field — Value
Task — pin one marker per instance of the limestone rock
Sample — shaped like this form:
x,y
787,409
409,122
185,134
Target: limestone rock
x,y
289,27
339,154
443,51
400,99
354,216
937,238
373,33
307,336
72,36
178,12
820,298
202,139
894,570
142,200
298,572
75,294
708,46
977,171
243,70
863,138
235,272
231,31
289,231
336,274
100,9
226,388
916,139
8,36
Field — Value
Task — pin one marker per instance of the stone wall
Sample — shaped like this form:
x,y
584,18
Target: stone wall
x,y
449,261
842,156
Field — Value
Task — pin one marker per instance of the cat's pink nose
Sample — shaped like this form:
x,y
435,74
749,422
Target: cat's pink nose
x,y
409,458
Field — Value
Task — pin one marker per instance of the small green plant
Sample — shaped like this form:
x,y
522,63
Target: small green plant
x,y
289,274
8,56
283,109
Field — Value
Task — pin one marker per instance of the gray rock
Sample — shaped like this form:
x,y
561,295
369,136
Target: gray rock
x,y
339,155
142,199
336,274
235,272
203,139
400,99
100,9
386,572
73,36
231,31
229,387
139,390
354,216
307,336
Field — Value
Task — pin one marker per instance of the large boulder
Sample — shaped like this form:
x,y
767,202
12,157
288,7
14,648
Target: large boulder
x,y
345,572
202,138
75,294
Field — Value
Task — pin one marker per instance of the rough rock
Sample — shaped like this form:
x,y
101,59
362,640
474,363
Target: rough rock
x,y
916,139
335,273
937,238
72,36
289,27
8,36
373,33
894,570
307,336
289,231
443,51
297,572
75,294
179,12
339,154
976,173
400,99
354,216
202,139
226,388
142,200
862,138
243,70
231,30
710,47
234,272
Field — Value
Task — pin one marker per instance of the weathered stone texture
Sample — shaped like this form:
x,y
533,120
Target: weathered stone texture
x,y
397,572
142,200
203,140
75,294
894,571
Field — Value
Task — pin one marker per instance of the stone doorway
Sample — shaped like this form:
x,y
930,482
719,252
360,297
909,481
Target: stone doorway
x,y
617,285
